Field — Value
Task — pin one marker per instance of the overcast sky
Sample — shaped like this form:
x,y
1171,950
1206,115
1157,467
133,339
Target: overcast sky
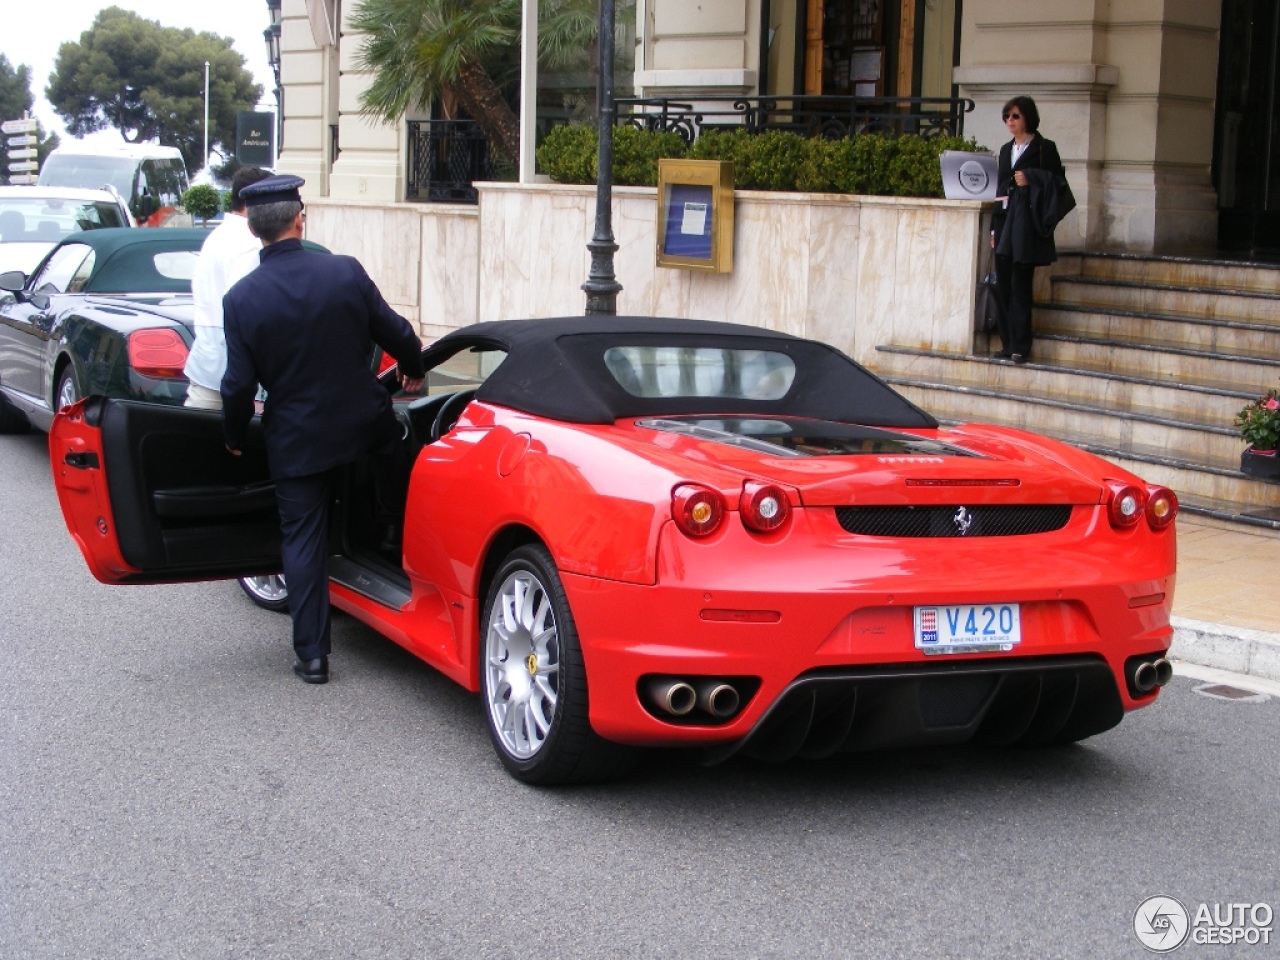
x,y
32,30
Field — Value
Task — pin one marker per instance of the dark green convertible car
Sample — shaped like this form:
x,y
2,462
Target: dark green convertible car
x,y
106,312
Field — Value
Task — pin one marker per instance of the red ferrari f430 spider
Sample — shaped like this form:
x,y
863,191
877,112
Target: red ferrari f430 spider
x,y
636,532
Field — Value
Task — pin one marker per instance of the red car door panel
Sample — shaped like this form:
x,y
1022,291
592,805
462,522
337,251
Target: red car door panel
x,y
151,495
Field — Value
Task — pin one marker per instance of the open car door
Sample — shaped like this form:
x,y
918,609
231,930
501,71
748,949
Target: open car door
x,y
151,494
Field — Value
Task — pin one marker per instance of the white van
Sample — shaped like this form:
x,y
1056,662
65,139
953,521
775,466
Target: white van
x,y
151,179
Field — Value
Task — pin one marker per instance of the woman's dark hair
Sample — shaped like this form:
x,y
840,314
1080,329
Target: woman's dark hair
x,y
1027,107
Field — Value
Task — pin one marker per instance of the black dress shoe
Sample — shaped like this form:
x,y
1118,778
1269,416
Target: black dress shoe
x,y
1001,355
1021,358
312,671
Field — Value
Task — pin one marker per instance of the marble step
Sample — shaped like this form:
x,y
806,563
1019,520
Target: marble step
x,y
1230,337
1209,405
1182,271
1163,299
1209,444
1191,364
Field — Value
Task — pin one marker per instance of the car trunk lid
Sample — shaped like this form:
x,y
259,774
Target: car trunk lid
x,y
835,464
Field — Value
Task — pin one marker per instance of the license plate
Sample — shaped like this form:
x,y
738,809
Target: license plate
x,y
968,628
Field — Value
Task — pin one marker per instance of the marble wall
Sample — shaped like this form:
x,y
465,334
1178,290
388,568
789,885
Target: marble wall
x,y
423,257
852,271
855,272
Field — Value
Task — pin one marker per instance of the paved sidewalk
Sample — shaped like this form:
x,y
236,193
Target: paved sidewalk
x,y
1226,606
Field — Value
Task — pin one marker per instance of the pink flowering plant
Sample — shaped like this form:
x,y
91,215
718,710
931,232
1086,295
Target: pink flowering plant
x,y
1259,422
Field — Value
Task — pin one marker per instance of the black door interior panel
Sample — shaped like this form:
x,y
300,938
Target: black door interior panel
x,y
181,500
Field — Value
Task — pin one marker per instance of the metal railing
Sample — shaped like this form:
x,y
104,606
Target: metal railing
x,y
831,117
445,158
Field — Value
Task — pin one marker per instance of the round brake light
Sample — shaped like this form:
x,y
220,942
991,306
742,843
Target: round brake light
x,y
697,510
1125,505
763,506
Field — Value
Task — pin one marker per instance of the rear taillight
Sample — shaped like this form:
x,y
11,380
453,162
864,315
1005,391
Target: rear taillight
x,y
697,510
157,353
764,506
1162,507
1125,504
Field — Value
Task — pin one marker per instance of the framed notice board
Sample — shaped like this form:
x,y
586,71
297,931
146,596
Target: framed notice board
x,y
695,215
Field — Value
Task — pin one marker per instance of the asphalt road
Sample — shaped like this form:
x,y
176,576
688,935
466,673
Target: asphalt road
x,y
169,790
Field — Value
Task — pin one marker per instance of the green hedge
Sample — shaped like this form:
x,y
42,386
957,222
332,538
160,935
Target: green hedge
x,y
905,166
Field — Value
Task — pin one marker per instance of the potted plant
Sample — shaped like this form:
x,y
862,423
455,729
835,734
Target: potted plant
x,y
1259,424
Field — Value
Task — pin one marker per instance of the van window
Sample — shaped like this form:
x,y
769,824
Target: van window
x,y
166,179
89,172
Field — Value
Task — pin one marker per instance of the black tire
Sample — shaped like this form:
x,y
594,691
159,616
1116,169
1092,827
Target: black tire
x,y
68,389
568,750
12,420
270,592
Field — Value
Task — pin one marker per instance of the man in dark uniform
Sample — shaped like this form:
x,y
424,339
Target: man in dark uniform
x,y
303,325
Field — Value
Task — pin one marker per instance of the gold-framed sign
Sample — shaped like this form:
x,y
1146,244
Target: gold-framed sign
x,y
695,215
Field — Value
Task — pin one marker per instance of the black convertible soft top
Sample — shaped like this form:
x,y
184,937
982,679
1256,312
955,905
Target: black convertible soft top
x,y
556,368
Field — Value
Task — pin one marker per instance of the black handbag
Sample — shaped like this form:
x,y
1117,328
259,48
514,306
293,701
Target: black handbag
x,y
988,305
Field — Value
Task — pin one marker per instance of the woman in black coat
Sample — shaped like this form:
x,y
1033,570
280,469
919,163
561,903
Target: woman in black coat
x,y
1014,269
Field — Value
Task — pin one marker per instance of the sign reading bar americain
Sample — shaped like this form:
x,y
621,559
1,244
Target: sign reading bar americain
x,y
255,138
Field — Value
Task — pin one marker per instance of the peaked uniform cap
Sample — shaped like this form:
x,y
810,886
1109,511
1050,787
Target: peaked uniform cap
x,y
272,190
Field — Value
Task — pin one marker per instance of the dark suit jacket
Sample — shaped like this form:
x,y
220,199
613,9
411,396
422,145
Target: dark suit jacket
x,y
303,325
1034,212
1041,154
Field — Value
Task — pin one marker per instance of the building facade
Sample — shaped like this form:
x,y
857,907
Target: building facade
x,y
1163,110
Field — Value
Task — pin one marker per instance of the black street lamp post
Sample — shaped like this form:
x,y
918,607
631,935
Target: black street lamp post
x,y
272,36
602,286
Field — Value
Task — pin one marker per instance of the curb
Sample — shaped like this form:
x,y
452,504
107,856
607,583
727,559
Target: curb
x,y
1237,649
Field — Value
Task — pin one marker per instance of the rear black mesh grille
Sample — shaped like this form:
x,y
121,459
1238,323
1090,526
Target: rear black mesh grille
x,y
953,521
998,701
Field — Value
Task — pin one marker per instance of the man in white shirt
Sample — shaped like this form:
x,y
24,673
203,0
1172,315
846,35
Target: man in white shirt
x,y
229,253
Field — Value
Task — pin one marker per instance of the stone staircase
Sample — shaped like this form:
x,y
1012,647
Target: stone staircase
x,y
1143,360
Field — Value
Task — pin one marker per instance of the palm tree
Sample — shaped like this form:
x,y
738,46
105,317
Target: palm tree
x,y
461,53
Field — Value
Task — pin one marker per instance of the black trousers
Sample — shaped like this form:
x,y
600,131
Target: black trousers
x,y
303,503
1014,287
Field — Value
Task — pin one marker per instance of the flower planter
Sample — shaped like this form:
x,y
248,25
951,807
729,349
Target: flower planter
x,y
1264,465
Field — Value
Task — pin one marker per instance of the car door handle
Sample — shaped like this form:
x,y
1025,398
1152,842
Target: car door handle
x,y
81,461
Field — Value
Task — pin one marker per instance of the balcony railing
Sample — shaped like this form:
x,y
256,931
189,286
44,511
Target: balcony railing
x,y
831,117
445,158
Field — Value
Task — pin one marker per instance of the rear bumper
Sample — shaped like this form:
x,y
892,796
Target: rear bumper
x,y
1029,701
829,636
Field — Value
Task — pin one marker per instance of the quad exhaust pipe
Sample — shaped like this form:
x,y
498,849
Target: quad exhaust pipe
x,y
674,697
718,699
1145,675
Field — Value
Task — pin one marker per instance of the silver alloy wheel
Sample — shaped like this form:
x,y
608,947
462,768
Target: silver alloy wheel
x,y
269,592
522,654
67,392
